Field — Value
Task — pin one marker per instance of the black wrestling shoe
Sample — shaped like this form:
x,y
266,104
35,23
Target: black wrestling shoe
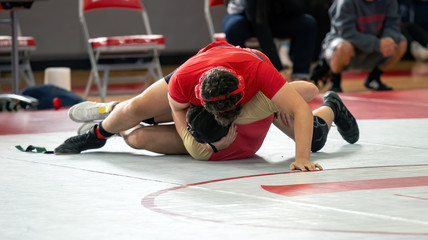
x,y
80,143
345,122
321,72
377,85
335,88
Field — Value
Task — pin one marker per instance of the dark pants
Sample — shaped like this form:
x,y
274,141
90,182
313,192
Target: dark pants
x,y
302,31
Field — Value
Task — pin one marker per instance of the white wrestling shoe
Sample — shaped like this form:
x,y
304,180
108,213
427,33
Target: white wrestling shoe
x,y
85,127
418,51
90,111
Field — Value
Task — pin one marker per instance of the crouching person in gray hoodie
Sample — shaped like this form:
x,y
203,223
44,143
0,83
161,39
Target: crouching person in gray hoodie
x,y
364,35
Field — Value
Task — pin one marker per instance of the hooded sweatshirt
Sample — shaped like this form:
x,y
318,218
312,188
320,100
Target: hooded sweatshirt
x,y
364,23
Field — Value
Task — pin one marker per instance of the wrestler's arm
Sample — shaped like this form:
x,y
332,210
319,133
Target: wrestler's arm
x,y
289,101
197,150
178,111
260,107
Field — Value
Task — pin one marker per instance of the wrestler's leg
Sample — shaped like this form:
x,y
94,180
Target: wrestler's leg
x,y
162,139
333,110
308,91
322,112
153,102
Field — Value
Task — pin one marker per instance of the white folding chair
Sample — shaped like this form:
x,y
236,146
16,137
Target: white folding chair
x,y
208,4
144,47
26,45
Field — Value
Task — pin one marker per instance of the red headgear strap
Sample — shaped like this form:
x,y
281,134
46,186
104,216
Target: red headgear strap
x,y
240,89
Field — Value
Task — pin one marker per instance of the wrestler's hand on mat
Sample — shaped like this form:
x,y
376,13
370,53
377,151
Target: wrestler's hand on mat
x,y
305,166
225,141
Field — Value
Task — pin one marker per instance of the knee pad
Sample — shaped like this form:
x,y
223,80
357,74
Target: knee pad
x,y
319,136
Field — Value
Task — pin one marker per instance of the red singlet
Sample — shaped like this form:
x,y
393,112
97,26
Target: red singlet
x,y
259,74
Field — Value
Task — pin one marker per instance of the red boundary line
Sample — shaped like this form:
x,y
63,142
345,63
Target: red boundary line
x,y
407,196
293,190
149,202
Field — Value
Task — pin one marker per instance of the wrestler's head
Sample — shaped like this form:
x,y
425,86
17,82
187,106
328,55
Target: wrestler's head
x,y
221,91
203,126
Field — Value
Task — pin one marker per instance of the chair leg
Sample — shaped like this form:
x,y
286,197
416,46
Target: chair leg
x,y
27,73
152,73
146,80
93,76
23,75
30,76
157,63
159,70
93,59
1,81
89,84
103,91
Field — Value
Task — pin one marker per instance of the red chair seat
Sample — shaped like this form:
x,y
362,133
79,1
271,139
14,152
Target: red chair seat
x,y
134,42
23,43
216,2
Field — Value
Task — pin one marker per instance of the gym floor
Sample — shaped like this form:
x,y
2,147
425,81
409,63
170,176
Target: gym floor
x,y
374,189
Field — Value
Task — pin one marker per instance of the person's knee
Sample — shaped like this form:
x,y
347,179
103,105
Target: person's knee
x,y
132,140
133,109
342,56
345,50
309,23
310,91
307,90
306,27
136,138
236,29
319,137
401,48
234,36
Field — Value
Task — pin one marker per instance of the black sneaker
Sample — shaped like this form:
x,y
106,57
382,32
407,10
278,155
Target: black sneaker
x,y
321,72
345,122
377,86
335,88
80,143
